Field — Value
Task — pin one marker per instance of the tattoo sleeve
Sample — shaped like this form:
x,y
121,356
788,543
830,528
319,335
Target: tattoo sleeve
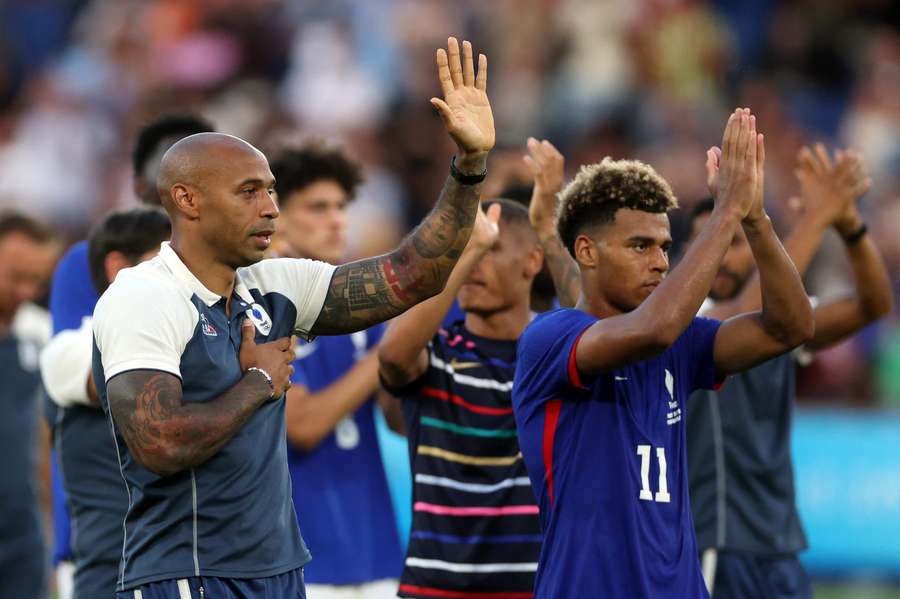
x,y
563,269
166,434
366,292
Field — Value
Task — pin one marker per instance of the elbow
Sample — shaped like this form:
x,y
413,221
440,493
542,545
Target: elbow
x,y
880,308
162,461
797,331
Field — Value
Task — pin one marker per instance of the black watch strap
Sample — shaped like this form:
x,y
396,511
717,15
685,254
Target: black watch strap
x,y
463,178
856,235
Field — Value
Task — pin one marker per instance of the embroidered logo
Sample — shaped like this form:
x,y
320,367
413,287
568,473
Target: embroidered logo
x,y
205,326
674,413
260,319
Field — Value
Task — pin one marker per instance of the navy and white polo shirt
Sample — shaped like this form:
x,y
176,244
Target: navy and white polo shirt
x,y
232,516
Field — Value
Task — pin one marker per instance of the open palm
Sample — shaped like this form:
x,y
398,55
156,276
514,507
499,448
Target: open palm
x,y
465,109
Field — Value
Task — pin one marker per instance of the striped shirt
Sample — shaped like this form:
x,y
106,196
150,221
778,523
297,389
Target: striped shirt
x,y
475,529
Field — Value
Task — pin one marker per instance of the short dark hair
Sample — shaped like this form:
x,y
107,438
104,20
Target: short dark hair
x,y
157,130
599,190
133,232
512,212
16,222
297,167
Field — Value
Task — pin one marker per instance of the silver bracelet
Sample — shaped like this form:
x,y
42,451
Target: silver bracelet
x,y
268,378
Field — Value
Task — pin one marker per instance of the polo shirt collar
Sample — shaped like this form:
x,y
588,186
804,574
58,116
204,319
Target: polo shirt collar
x,y
186,277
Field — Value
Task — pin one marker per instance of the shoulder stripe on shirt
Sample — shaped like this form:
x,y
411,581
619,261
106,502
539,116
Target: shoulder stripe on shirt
x,y
452,456
470,381
475,540
450,510
466,430
437,564
445,594
440,481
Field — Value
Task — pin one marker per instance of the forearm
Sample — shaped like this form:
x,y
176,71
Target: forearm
x,y
167,434
563,268
873,284
801,245
313,416
400,350
374,290
672,306
786,310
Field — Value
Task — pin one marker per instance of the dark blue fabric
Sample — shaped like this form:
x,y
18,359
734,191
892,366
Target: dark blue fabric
x,y
739,455
72,297
615,523
340,490
244,525
282,586
22,555
749,576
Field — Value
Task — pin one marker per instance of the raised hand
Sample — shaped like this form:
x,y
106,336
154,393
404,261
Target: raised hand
x,y
274,357
465,109
547,167
735,172
829,190
487,228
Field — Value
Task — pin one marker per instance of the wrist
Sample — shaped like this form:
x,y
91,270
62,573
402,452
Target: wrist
x,y
471,163
847,226
260,373
756,224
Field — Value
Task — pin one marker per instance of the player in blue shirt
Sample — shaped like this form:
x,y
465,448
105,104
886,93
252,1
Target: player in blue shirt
x,y
73,296
600,390
192,353
340,490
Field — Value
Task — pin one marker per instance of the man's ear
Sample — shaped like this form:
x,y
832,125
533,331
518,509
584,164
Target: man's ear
x,y
535,261
113,263
185,200
586,251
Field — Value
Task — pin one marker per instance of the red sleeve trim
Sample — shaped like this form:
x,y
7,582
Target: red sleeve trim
x,y
551,423
574,376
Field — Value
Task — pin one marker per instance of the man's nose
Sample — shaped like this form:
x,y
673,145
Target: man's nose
x,y
269,208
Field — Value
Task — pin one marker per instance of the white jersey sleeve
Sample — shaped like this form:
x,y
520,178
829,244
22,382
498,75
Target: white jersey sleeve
x,y
66,365
304,282
143,323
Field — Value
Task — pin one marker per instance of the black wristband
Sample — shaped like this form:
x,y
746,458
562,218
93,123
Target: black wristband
x,y
463,178
856,235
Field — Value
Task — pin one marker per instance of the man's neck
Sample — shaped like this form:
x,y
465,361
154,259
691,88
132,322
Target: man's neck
x,y
504,325
594,302
215,276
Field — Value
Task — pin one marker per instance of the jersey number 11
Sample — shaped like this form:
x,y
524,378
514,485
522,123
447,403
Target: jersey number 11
x,y
662,496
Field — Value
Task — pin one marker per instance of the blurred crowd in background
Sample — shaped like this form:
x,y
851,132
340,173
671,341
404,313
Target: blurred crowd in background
x,y
646,79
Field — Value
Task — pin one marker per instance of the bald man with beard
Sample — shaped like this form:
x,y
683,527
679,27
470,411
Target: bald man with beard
x,y
192,353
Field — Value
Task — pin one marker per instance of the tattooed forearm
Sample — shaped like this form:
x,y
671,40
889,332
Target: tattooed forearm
x,y
166,434
563,269
370,291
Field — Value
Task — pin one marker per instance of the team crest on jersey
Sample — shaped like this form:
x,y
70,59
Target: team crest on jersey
x,y
208,329
260,319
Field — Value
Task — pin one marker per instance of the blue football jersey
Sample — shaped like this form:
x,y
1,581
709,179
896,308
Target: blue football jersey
x,y
340,489
607,462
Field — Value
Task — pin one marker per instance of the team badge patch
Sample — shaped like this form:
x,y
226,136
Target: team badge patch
x,y
260,319
208,329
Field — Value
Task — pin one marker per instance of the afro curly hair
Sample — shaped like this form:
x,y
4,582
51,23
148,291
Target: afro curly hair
x,y
599,190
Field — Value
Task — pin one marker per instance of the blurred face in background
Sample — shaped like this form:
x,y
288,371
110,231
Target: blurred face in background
x,y
313,222
736,266
502,279
25,269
